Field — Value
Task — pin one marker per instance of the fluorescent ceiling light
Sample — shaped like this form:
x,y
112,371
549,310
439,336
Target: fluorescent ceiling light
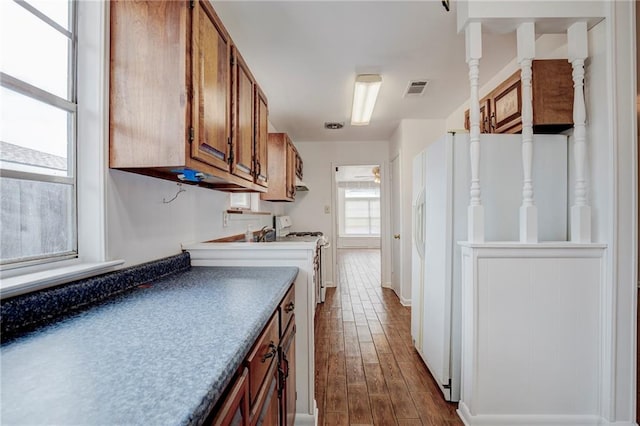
x,y
364,98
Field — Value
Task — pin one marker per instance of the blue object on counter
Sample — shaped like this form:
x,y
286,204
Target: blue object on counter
x,y
161,354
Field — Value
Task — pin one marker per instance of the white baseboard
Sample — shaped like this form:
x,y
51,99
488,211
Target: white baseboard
x,y
405,302
532,420
329,284
304,419
386,285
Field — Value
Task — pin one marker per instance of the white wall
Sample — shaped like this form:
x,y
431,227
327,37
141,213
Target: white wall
x,y
308,211
411,137
141,228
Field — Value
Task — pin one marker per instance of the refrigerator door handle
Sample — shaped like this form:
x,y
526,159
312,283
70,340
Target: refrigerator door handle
x,y
418,229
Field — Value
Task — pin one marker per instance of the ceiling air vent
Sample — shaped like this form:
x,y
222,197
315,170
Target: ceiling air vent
x,y
333,125
416,88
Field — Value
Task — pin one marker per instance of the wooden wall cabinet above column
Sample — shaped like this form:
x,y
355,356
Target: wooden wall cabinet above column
x,y
182,101
284,164
552,95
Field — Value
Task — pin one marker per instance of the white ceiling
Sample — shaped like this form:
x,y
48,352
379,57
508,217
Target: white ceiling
x,y
305,56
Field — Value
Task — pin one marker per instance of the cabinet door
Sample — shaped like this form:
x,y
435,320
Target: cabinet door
x,y
211,106
243,118
269,415
288,377
262,138
506,106
235,409
291,170
485,116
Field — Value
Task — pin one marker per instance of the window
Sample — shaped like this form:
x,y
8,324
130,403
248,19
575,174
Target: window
x,y
362,211
240,200
37,131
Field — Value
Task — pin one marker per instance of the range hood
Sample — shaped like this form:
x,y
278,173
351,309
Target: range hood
x,y
300,185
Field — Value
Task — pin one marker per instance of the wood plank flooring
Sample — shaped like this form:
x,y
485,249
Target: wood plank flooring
x,y
367,372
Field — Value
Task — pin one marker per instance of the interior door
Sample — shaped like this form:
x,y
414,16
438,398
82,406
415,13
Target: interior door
x,y
396,254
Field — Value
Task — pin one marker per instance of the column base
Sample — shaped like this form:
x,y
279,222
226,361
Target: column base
x,y
580,224
528,224
475,224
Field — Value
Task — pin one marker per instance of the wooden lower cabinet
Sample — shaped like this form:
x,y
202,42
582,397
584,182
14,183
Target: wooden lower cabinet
x,y
264,390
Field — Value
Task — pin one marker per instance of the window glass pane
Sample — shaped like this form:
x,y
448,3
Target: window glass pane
x,y
32,50
240,200
359,226
33,135
58,10
37,219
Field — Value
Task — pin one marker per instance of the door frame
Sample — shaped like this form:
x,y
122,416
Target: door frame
x,y
385,266
398,212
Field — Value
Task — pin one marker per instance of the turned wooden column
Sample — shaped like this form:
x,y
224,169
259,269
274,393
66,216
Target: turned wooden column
x,y
577,44
528,211
475,212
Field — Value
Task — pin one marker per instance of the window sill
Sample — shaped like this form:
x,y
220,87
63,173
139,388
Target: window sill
x,y
26,283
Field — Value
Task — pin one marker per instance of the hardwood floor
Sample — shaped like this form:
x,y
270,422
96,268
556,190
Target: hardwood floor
x,y
367,372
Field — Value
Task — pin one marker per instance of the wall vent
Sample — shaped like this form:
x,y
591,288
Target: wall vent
x,y
416,88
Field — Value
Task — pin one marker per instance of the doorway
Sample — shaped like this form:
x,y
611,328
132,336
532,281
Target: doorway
x,y
357,218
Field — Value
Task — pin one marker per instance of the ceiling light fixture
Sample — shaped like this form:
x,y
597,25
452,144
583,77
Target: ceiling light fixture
x,y
365,93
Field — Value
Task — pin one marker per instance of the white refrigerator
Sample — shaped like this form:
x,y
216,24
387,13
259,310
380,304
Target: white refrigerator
x,y
441,182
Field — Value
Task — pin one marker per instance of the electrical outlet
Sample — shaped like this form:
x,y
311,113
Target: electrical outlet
x,y
225,219
327,209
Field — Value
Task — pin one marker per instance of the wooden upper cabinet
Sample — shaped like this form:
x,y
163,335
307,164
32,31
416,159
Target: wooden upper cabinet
x,y
281,170
485,113
262,138
173,96
211,88
552,99
243,119
149,109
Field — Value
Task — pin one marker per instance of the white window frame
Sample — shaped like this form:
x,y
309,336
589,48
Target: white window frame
x,y
92,76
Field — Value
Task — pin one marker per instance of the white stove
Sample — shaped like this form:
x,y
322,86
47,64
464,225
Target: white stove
x,y
282,225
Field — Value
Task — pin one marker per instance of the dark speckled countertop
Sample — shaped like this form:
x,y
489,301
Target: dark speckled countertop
x,y
160,355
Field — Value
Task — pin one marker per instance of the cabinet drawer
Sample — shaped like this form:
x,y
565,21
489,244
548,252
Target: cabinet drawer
x,y
263,355
287,308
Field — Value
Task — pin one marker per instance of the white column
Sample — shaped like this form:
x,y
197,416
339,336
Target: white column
x,y
528,211
580,211
475,212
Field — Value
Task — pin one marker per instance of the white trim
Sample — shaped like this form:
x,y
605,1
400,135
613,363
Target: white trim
x,y
36,93
92,140
26,283
532,420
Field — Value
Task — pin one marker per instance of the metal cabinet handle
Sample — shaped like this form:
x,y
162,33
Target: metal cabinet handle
x,y
290,307
272,352
396,236
494,122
